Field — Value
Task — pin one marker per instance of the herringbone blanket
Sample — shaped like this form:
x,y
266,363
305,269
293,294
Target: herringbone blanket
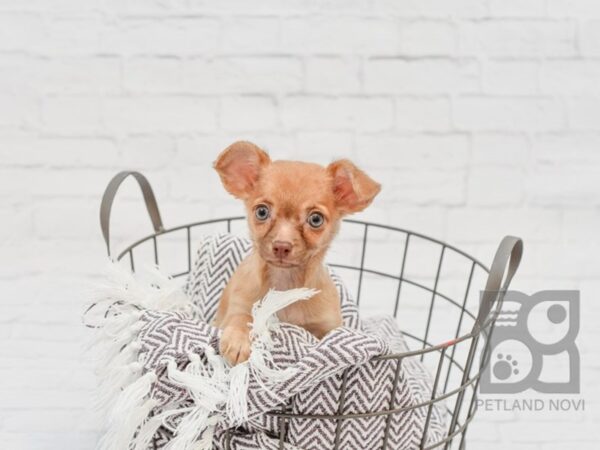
x,y
165,386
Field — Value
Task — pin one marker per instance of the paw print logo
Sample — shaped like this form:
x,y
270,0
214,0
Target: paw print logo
x,y
531,332
505,367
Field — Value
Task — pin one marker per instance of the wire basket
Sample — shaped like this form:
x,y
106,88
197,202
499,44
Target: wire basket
x,y
445,301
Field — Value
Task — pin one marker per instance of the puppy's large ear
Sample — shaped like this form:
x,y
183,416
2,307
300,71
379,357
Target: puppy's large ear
x,y
354,190
239,167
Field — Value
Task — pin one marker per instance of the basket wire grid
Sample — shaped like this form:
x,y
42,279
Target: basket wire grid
x,y
456,364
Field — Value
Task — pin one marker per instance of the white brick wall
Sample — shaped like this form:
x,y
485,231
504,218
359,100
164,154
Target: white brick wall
x,y
480,117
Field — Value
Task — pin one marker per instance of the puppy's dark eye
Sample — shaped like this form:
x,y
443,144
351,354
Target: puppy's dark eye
x,y
262,212
316,219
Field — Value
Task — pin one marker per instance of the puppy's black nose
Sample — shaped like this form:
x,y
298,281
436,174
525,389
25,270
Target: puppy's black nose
x,y
281,249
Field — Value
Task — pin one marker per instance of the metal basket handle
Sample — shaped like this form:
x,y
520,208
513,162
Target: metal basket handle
x,y
504,266
109,196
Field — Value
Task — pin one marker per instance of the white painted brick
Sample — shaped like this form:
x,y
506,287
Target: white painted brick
x,y
581,225
199,150
194,205
243,75
427,186
486,432
147,152
60,182
75,34
433,8
68,115
33,257
153,75
427,76
44,421
428,38
204,149
20,31
248,113
41,399
18,109
152,114
567,150
251,34
183,36
555,186
521,38
320,113
134,7
423,114
324,147
482,445
428,220
591,445
570,76
53,377
576,431
325,75
583,9
357,7
20,73
199,183
15,184
504,113
583,113
40,441
345,35
73,152
518,8
590,35
62,6
278,145
56,332
500,149
17,222
475,224
11,5
511,77
59,152
260,8
500,186
82,76
413,152
62,350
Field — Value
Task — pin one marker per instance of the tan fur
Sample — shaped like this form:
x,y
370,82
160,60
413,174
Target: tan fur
x,y
292,191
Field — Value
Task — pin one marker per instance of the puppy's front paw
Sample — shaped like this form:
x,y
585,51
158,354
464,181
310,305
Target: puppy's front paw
x,y
235,345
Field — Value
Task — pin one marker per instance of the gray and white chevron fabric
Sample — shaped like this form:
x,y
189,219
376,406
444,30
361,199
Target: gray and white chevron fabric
x,y
316,386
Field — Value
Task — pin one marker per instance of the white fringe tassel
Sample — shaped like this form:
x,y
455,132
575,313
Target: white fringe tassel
x,y
123,394
147,288
214,387
264,311
261,363
237,399
129,413
208,386
149,429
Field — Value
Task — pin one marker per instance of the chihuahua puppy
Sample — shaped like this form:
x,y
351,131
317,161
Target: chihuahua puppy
x,y
294,211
